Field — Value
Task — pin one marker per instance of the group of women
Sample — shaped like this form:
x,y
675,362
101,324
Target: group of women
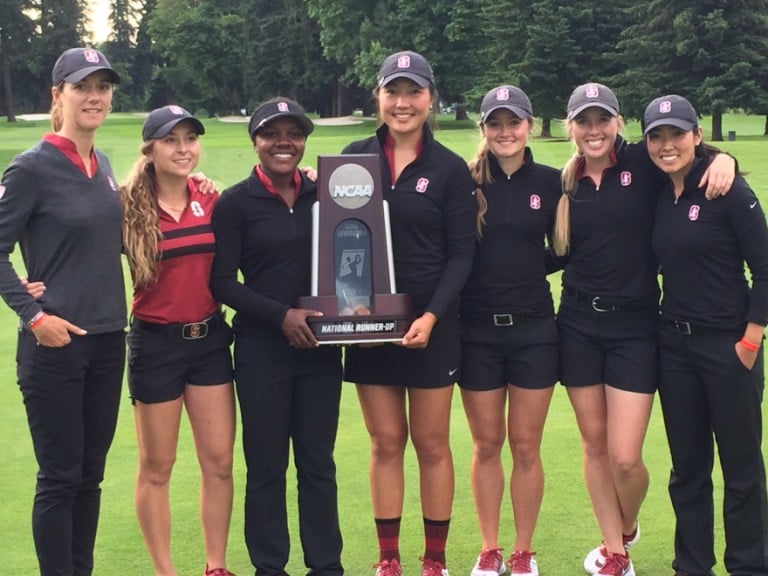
x,y
472,245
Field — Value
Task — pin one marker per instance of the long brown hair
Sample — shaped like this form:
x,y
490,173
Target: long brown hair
x,y
141,229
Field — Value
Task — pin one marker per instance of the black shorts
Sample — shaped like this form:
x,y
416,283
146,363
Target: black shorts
x,y
616,348
494,353
161,361
435,366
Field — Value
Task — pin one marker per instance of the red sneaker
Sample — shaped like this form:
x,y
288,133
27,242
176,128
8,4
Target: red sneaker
x,y
389,568
523,563
489,563
617,565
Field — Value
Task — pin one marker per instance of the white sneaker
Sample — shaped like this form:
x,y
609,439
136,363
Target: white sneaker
x,y
489,563
595,560
523,563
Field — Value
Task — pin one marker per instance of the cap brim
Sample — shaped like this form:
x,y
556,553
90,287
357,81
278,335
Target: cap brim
x,y
573,113
165,129
516,110
684,125
114,77
305,122
420,80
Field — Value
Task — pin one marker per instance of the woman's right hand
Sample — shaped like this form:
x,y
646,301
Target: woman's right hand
x,y
297,330
54,331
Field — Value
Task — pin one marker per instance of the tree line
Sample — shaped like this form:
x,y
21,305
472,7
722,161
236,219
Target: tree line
x,y
220,57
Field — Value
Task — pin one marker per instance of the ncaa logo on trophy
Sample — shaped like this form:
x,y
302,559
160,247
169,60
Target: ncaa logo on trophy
x,y
353,276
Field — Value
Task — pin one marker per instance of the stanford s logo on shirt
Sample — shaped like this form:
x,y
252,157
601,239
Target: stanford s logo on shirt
x,y
535,202
196,208
626,178
422,184
693,212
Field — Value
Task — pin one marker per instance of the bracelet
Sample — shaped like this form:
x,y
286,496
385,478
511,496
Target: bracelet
x,y
36,320
751,346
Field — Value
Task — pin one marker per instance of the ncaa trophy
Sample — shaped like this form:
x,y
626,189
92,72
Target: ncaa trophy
x,y
353,276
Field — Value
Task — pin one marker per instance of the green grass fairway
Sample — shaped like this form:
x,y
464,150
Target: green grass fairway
x,y
566,529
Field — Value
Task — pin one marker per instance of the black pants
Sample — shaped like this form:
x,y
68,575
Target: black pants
x,y
708,395
286,396
72,396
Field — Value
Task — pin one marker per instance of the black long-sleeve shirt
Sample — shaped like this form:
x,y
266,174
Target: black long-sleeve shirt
x,y
702,246
271,244
610,253
509,274
432,213
68,227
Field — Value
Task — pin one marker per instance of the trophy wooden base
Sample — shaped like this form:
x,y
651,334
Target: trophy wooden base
x,y
387,319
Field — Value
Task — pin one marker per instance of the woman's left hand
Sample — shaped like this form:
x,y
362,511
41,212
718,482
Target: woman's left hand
x,y
719,176
419,331
204,184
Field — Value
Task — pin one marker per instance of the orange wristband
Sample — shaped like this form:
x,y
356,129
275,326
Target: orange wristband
x,y
751,346
37,319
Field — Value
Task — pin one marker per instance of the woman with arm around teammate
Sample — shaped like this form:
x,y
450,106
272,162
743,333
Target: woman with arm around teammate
x,y
60,202
432,211
509,333
608,312
288,387
178,342
710,346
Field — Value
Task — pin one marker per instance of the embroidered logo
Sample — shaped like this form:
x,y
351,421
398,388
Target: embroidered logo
x,y
282,106
592,91
91,55
404,61
626,178
502,94
422,184
693,212
535,201
112,183
2,190
177,110
665,106
197,210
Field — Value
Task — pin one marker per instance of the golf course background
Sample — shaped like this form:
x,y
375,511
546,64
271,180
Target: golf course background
x,y
566,528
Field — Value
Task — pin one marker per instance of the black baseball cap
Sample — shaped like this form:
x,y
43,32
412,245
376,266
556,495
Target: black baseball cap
x,y
670,110
277,108
592,94
406,64
161,121
508,97
77,63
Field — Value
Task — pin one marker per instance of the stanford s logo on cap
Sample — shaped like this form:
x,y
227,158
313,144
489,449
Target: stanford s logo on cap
x,y
422,184
404,61
2,190
282,106
665,106
91,55
502,94
535,201
592,91
693,212
178,110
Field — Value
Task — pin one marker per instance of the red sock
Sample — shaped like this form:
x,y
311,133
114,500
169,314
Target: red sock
x,y
388,533
435,536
